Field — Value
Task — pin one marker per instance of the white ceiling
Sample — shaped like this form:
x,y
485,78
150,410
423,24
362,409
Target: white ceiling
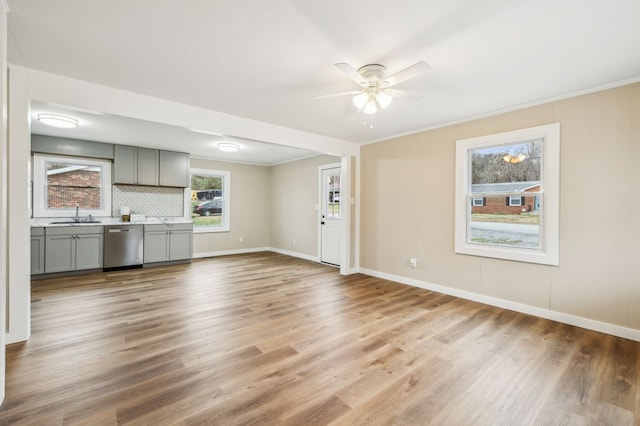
x,y
266,60
100,127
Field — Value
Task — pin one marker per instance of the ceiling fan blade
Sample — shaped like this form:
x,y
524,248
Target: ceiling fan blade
x,y
333,95
405,94
352,73
413,71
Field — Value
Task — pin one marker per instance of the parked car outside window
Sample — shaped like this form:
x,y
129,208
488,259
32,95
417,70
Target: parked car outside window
x,y
209,207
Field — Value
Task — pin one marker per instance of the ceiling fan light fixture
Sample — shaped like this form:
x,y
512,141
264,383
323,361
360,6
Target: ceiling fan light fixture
x,y
228,146
370,107
360,100
375,84
57,120
384,98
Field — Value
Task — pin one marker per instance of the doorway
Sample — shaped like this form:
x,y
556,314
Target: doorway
x,y
331,214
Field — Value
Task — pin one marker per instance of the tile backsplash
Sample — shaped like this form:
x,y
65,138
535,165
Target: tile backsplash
x,y
148,200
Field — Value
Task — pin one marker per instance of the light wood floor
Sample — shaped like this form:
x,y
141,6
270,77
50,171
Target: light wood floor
x,y
268,339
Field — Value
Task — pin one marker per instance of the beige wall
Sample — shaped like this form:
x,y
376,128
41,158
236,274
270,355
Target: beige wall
x,y
294,195
408,210
250,209
270,207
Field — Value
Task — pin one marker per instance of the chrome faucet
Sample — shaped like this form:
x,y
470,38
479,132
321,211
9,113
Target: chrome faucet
x,y
77,218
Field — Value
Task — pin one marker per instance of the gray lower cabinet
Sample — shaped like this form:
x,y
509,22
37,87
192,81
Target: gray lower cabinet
x,y
73,248
37,251
168,242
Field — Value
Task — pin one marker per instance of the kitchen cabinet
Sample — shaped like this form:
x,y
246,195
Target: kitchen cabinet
x,y
151,167
37,251
125,164
174,169
168,242
148,166
135,166
73,248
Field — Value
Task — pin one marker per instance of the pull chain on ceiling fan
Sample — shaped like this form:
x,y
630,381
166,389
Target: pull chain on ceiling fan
x,y
375,86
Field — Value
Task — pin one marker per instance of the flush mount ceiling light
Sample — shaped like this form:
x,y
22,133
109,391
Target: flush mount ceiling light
x,y
57,120
228,146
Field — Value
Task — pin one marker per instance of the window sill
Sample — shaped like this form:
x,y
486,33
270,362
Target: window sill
x,y
207,230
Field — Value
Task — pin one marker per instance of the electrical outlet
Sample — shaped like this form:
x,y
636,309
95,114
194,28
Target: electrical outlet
x,y
413,262
241,240
294,242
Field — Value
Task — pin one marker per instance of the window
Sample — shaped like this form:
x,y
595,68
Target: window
x,y
515,201
333,210
62,183
478,202
507,195
210,200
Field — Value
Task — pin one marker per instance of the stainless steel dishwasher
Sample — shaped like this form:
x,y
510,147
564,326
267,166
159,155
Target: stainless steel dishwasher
x,y
123,246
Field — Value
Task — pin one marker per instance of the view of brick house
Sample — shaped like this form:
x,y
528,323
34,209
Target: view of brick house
x,y
488,198
71,185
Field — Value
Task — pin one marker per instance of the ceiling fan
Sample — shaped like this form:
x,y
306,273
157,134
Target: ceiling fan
x,y
375,84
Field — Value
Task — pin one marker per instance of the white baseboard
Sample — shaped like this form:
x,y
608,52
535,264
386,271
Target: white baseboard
x,y
590,324
256,250
228,252
295,254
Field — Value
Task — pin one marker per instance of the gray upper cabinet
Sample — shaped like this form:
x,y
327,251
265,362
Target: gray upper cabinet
x,y
174,169
151,167
125,165
147,166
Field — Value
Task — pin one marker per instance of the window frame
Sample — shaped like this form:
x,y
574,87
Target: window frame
x,y
226,198
40,178
515,197
475,204
548,253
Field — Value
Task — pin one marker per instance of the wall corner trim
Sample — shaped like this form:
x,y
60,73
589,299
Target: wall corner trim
x,y
590,324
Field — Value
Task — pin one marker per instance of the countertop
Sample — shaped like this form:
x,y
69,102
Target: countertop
x,y
46,221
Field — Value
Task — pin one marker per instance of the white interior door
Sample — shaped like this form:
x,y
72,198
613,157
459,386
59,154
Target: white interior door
x,y
331,216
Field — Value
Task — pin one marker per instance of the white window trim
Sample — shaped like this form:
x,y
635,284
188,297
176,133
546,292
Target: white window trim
x,y
548,254
515,197
40,179
226,190
481,199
